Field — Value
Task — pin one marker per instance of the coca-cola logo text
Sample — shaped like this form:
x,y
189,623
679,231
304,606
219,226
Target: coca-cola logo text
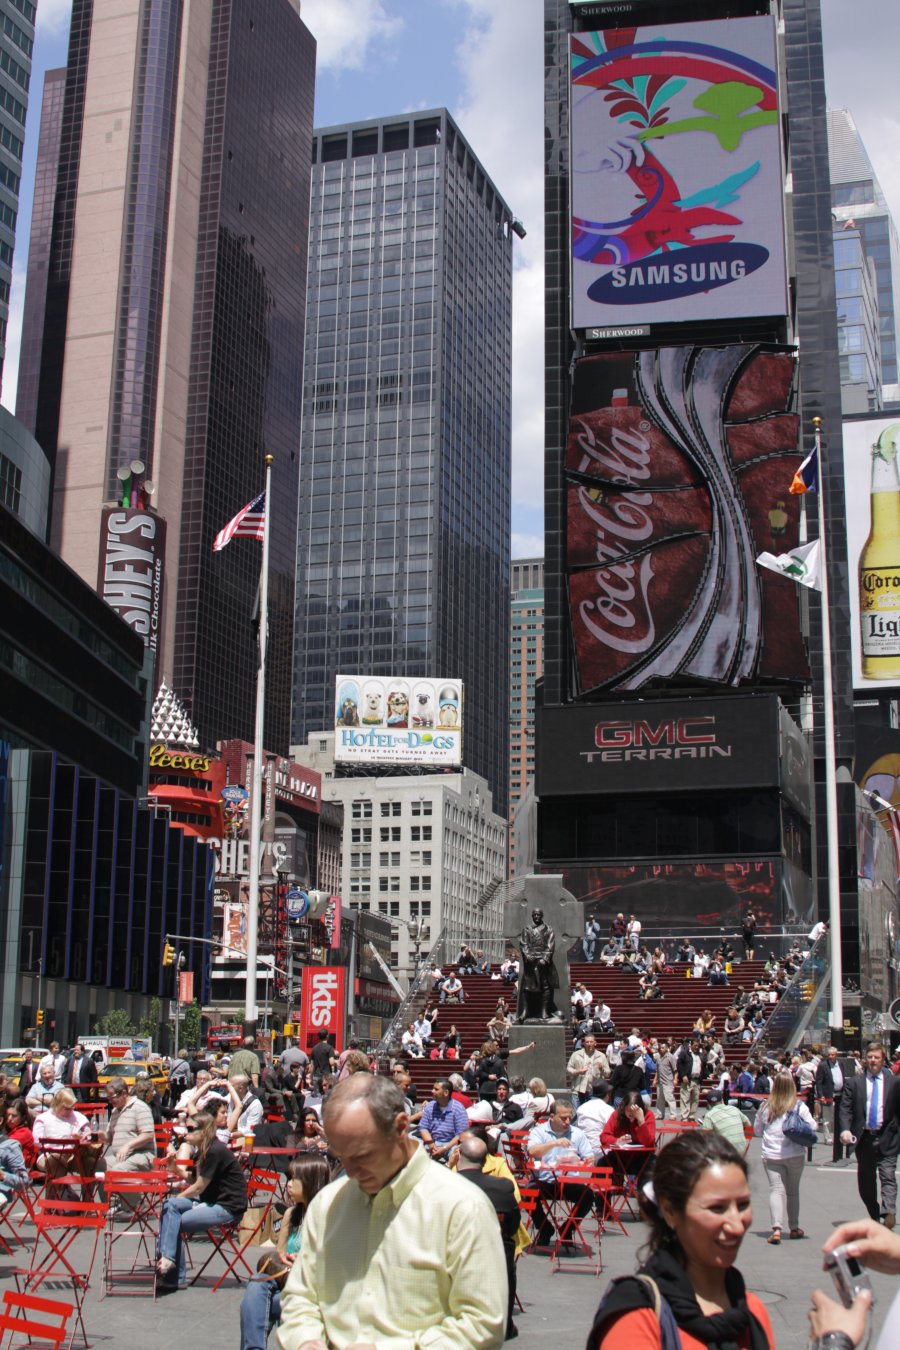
x,y
619,614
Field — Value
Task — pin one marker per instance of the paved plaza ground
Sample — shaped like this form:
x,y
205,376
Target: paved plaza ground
x,y
558,1307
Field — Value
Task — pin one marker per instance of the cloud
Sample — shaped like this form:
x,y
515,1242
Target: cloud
x,y
527,546
344,30
52,17
500,58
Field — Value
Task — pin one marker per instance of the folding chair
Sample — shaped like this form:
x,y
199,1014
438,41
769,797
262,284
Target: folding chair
x,y
569,1222
262,1187
670,1129
612,1194
163,1135
141,1195
23,1325
58,1224
14,1229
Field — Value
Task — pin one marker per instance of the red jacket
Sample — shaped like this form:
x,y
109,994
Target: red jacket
x,y
640,1134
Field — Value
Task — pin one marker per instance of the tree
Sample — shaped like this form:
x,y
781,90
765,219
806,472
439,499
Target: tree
x,y
116,1022
190,1025
149,1025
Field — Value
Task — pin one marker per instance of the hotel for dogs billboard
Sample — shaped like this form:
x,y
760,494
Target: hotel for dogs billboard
x,y
398,721
677,473
677,175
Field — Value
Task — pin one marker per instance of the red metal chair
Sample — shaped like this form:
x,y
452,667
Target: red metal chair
x,y
575,1184
11,1225
135,1219
58,1224
21,1324
262,1187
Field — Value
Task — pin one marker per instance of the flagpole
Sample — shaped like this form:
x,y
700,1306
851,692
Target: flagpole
x,y
250,1009
831,812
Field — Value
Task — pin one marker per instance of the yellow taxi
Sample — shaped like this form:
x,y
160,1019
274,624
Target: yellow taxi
x,y
131,1069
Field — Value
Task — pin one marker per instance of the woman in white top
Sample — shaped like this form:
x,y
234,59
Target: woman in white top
x,y
782,1158
61,1121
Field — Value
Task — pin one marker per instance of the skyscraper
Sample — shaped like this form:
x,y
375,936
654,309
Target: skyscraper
x,y
856,196
164,315
526,664
16,44
403,556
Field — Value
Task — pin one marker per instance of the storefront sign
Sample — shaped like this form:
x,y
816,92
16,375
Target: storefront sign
x,y
322,1003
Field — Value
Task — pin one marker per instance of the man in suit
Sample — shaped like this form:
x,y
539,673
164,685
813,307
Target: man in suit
x,y
502,1195
28,1073
830,1078
870,1115
80,1074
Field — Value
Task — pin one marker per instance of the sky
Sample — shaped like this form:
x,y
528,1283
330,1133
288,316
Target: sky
x,y
483,60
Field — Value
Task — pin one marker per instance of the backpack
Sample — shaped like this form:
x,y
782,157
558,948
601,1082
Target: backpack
x,y
626,1294
795,1128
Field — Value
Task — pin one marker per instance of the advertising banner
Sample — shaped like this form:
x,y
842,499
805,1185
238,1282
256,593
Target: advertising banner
x,y
688,744
678,465
872,503
322,1003
132,568
677,177
186,986
394,721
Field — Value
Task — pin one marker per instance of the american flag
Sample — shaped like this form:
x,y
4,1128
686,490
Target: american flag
x,y
249,523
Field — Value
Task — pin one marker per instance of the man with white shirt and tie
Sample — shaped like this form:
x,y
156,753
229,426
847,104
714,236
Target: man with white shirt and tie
x,y
870,1117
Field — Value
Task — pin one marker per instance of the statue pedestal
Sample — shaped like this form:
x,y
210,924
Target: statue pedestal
x,y
548,1058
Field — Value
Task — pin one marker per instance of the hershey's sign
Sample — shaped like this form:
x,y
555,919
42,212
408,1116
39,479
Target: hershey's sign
x,y
132,568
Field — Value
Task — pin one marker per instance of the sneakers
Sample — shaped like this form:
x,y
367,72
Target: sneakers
x,y
889,1220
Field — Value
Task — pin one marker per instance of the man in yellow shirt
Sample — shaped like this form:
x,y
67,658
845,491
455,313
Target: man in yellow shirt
x,y
400,1252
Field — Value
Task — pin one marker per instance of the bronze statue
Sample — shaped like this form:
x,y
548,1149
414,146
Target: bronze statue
x,y
538,977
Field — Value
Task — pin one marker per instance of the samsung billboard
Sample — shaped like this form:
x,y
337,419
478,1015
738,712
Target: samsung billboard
x,y
677,174
398,721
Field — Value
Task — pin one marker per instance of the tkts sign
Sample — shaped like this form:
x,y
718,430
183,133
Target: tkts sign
x,y
677,470
690,744
323,1002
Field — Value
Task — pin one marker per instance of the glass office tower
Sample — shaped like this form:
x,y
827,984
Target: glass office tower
x,y
16,44
164,315
403,554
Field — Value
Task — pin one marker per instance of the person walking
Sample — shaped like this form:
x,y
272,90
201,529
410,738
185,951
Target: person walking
x,y
688,1072
870,1118
783,1159
666,1066
748,935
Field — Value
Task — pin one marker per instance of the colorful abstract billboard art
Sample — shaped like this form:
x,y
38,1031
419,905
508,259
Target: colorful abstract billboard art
x,y
678,464
677,174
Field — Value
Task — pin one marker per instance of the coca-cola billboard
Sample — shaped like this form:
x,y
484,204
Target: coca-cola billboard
x,y
678,465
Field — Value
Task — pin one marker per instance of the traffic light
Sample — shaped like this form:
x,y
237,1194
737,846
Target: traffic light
x,y
40,1017
288,1029
168,955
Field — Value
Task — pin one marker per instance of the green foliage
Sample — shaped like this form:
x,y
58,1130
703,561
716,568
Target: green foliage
x,y
190,1025
114,1023
149,1024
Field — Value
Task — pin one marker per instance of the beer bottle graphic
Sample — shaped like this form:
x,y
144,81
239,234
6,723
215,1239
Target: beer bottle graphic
x,y
879,566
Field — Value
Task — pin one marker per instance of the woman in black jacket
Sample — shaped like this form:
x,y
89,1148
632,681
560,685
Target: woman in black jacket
x,y
491,1069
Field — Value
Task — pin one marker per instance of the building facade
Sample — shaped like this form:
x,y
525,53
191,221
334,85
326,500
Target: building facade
x,y
526,665
427,849
403,556
164,315
16,47
857,198
624,391
859,338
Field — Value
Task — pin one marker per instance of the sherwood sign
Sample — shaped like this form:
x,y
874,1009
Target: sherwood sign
x,y
685,744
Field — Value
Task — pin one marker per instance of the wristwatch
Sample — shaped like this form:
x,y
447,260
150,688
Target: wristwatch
x,y
833,1340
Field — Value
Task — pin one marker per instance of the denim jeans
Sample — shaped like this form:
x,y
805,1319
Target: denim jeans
x,y
181,1215
260,1312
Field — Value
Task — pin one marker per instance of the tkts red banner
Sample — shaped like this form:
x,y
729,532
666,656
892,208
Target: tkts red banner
x,y
322,1003
677,471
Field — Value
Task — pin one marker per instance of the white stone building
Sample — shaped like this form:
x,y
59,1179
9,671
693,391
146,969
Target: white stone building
x,y
426,847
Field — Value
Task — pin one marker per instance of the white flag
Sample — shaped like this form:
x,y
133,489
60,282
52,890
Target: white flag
x,y
800,565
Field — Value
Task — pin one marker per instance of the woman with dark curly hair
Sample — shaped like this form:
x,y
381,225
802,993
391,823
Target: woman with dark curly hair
x,y
698,1210
261,1304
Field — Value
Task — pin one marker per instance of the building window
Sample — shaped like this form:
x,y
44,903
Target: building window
x,y
10,484
390,809
361,811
